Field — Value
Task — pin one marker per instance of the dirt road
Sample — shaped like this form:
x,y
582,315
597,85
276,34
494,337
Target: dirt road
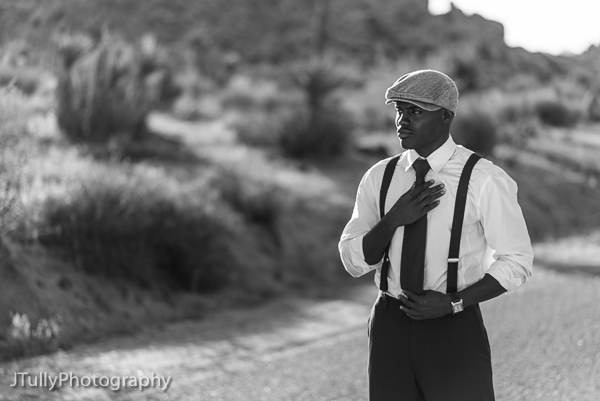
x,y
544,339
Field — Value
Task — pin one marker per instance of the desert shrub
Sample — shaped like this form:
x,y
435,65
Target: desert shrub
x,y
315,129
255,129
110,87
131,227
513,112
212,61
475,130
302,134
317,79
555,113
301,117
258,201
593,109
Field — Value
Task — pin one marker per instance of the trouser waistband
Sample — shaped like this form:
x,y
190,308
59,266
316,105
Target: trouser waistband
x,y
395,302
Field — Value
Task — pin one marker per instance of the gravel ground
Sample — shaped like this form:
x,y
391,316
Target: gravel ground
x,y
545,343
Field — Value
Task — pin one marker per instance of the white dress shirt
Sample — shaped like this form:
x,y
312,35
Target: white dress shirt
x,y
493,219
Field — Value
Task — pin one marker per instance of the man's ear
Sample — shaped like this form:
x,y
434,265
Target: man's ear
x,y
447,116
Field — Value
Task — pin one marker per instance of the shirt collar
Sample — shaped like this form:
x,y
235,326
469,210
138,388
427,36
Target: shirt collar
x,y
437,160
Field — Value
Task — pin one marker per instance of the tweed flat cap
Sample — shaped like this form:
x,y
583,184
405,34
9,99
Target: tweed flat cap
x,y
428,89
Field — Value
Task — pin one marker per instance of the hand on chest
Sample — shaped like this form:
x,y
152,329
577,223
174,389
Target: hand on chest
x,y
439,218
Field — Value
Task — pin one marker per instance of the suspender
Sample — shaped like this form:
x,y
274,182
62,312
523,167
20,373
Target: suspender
x,y
387,178
457,221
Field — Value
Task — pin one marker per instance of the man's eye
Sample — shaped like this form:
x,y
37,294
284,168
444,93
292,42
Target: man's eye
x,y
416,111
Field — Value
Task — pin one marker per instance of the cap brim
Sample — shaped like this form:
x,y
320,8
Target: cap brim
x,y
424,106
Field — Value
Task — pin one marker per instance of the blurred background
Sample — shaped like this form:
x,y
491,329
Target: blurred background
x,y
165,160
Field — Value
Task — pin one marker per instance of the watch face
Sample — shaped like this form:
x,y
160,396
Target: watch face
x,y
457,307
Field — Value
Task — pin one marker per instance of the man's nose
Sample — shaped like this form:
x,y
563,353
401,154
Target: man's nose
x,y
402,121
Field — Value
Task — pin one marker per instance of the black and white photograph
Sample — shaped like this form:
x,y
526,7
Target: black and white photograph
x,y
299,200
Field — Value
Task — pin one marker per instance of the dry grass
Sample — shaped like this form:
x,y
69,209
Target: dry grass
x,y
138,224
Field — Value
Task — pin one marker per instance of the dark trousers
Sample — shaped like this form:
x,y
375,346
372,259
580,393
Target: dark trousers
x,y
443,359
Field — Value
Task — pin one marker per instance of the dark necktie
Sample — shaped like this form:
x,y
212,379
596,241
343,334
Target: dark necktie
x,y
415,240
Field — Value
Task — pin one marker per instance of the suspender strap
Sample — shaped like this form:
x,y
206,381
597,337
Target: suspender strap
x,y
457,223
387,179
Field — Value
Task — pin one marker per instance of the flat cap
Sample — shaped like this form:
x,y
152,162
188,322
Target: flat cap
x,y
428,89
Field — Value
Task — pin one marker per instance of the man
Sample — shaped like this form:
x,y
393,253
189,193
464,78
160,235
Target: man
x,y
427,340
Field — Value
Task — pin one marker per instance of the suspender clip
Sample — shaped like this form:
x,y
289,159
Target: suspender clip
x,y
452,260
384,299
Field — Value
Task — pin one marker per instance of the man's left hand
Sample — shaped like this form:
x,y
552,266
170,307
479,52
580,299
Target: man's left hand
x,y
430,304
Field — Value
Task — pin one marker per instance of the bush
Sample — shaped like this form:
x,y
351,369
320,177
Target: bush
x,y
513,113
555,113
259,202
301,134
593,109
109,88
131,227
297,133
318,79
317,129
476,131
255,129
302,119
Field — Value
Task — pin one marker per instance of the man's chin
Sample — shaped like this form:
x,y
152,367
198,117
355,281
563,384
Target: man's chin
x,y
405,143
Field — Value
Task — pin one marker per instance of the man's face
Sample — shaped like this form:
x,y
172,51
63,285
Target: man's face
x,y
419,129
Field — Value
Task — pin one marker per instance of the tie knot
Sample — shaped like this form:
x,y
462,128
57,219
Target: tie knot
x,y
421,167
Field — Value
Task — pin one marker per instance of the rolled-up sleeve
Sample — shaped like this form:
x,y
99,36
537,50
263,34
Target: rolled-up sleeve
x,y
505,230
364,216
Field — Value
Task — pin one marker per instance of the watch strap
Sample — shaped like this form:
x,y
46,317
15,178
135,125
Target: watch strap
x,y
456,303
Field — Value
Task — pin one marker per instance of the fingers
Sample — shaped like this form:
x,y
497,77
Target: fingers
x,y
407,302
427,199
418,189
431,206
408,295
412,313
429,193
415,203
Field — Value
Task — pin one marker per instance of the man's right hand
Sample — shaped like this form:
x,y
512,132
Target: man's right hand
x,y
414,204
411,206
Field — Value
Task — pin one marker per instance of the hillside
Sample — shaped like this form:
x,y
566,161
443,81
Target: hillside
x,y
238,33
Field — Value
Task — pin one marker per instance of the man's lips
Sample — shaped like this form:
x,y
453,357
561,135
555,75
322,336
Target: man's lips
x,y
402,134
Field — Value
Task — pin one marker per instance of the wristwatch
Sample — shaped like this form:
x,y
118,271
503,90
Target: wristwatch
x,y
457,304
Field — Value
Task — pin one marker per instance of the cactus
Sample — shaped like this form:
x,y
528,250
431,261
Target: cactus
x,y
110,88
